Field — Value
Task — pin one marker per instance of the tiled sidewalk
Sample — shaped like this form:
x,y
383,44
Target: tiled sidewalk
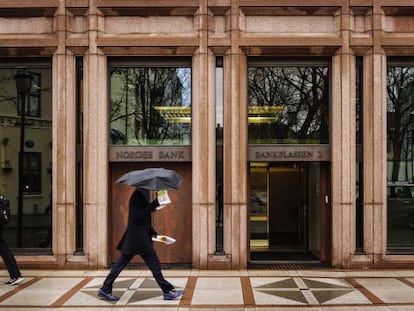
x,y
287,290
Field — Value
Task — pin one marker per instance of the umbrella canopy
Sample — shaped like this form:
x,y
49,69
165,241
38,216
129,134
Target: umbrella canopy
x,y
156,178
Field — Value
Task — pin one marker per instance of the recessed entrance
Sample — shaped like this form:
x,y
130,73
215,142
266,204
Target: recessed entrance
x,y
288,214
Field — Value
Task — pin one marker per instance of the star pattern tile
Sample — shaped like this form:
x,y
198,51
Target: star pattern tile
x,y
311,283
288,283
142,295
124,283
296,295
120,287
324,296
322,291
149,283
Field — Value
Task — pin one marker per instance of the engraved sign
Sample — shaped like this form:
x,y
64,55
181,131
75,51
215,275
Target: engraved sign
x,y
260,153
149,154
289,153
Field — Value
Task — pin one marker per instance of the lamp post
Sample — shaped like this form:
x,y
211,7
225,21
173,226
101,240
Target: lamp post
x,y
23,87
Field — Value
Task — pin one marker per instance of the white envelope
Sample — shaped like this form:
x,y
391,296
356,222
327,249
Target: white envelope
x,y
163,239
161,207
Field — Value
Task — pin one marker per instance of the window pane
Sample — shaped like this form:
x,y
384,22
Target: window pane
x,y
359,193
79,156
31,225
150,105
288,104
400,129
32,178
219,155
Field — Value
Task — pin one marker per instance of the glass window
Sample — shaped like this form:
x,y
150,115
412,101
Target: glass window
x,y
150,104
26,180
288,103
32,172
79,156
400,168
219,155
359,199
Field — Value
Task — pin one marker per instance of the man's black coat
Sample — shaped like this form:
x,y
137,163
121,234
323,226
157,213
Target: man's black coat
x,y
137,237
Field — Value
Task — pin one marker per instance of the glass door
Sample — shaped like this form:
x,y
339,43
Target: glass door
x,y
285,210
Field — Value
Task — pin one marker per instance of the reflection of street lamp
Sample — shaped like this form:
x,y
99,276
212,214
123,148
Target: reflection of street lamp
x,y
292,117
23,87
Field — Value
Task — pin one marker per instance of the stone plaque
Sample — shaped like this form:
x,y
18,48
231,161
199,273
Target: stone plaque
x,y
149,154
289,153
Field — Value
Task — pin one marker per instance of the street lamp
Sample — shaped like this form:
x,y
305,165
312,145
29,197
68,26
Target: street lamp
x,y
23,87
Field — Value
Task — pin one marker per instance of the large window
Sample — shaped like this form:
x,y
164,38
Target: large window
x,y
400,168
288,102
26,151
150,102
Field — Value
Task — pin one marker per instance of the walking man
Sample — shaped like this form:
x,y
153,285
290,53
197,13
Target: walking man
x,y
7,256
137,241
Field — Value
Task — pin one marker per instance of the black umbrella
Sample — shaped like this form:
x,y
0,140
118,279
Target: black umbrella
x,y
156,178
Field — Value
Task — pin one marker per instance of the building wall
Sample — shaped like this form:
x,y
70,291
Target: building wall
x,y
204,29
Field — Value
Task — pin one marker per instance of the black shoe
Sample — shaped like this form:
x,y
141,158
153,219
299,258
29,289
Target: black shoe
x,y
107,296
172,294
14,281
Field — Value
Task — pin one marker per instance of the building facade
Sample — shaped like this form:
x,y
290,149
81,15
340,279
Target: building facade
x,y
291,123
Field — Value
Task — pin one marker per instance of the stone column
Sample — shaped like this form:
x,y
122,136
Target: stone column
x,y
235,160
63,157
343,149
378,141
235,147
95,147
203,147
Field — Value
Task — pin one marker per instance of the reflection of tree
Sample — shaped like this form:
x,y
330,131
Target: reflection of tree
x,y
135,93
300,90
400,88
6,89
266,89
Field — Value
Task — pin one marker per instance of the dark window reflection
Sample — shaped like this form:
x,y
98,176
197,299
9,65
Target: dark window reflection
x,y
288,104
400,168
359,219
219,155
79,156
31,227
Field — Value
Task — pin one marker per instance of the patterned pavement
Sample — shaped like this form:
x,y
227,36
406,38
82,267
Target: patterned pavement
x,y
261,290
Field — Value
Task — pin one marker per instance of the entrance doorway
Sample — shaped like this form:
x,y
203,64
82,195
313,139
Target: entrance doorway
x,y
288,211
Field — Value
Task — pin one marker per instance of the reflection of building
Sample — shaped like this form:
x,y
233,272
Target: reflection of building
x,y
26,175
304,87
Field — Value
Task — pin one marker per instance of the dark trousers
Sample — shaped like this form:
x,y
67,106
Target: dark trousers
x,y
150,259
8,258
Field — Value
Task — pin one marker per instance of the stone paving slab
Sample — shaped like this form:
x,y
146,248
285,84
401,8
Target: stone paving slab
x,y
255,290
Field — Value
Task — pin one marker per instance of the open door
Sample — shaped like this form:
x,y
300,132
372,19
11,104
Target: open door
x,y
289,211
